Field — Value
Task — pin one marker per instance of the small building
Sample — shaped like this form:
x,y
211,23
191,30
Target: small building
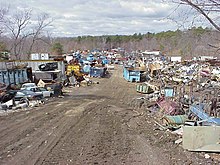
x,y
21,71
150,55
39,56
176,59
204,58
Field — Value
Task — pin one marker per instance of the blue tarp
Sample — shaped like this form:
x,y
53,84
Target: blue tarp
x,y
86,68
90,58
105,61
199,112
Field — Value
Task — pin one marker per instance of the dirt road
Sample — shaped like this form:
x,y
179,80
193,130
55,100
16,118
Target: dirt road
x,y
90,125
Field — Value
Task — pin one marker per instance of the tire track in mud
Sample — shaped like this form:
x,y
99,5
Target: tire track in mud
x,y
79,113
91,133
102,137
96,138
119,91
17,140
18,119
28,125
31,153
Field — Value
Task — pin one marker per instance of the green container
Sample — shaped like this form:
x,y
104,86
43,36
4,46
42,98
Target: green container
x,y
178,119
145,89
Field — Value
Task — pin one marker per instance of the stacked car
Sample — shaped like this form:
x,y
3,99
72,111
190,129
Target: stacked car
x,y
28,95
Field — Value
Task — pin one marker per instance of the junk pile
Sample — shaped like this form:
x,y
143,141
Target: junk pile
x,y
27,95
22,86
82,68
184,98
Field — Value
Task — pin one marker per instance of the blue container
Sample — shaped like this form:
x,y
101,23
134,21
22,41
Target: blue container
x,y
6,79
169,92
16,76
105,61
1,77
131,75
19,76
90,58
86,68
97,72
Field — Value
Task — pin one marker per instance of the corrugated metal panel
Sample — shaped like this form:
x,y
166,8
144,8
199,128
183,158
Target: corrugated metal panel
x,y
6,78
1,77
198,110
16,76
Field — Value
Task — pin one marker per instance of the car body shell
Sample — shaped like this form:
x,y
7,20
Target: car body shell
x,y
40,90
27,94
27,85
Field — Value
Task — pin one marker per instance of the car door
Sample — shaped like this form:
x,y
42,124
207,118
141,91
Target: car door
x,y
45,92
36,90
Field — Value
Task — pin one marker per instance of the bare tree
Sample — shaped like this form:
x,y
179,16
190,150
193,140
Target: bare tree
x,y
209,9
3,12
23,30
43,22
16,26
205,9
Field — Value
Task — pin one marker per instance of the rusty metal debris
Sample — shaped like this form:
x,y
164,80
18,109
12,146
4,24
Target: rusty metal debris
x,y
187,95
49,76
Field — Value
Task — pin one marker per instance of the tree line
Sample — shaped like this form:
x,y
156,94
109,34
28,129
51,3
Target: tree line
x,y
22,32
195,41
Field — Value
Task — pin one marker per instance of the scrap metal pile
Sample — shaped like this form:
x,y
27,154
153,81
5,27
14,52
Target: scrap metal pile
x,y
81,67
27,95
23,86
28,85
184,98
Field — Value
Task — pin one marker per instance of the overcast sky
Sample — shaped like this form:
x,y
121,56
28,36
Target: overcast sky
x,y
102,17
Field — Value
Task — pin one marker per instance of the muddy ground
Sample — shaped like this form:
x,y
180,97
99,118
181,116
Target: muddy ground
x,y
94,124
